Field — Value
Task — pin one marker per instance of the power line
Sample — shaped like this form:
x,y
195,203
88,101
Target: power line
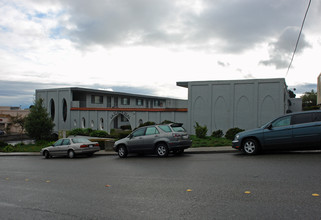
x,y
297,42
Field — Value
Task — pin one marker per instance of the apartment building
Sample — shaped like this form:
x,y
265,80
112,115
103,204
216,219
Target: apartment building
x,y
76,107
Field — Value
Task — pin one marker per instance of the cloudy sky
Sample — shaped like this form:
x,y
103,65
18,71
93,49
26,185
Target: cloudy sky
x,y
146,46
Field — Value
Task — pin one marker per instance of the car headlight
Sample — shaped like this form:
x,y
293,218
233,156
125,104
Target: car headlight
x,y
236,138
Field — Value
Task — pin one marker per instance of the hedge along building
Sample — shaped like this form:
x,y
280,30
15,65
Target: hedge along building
x,y
75,107
245,104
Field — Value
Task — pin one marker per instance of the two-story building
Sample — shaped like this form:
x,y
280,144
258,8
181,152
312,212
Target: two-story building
x,y
75,107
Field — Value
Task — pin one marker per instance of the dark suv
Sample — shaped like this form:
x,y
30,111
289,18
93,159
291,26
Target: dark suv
x,y
159,139
296,131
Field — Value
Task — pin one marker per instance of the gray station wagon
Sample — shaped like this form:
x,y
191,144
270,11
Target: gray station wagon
x,y
296,131
159,139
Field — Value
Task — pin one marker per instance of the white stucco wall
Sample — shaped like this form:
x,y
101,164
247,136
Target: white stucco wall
x,y
227,104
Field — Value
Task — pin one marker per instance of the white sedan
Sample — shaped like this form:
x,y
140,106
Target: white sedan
x,y
70,147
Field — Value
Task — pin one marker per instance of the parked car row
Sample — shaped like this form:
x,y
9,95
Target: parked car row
x,y
296,131
158,139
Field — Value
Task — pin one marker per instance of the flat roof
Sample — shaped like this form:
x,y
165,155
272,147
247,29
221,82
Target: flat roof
x,y
107,92
186,83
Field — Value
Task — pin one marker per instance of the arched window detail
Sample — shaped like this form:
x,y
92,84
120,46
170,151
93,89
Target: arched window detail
x,y
52,109
83,123
64,110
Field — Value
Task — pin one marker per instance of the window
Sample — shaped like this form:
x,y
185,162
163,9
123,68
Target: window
x,y
151,131
101,126
139,102
284,121
52,109
123,118
83,122
75,123
178,129
125,101
158,103
317,116
64,110
92,124
165,128
115,101
66,142
108,102
58,143
97,99
301,118
139,132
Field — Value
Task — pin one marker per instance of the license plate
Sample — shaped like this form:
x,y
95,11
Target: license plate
x,y
90,145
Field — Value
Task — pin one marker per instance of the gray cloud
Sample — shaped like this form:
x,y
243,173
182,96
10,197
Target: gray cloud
x,y
282,49
223,64
224,26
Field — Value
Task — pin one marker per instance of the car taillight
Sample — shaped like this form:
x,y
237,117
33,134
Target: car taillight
x,y
83,146
176,135
97,145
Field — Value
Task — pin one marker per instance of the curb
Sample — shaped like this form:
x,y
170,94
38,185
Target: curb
x,y
203,150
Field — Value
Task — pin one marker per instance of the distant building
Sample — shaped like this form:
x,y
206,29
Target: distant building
x,y
226,104
75,107
6,113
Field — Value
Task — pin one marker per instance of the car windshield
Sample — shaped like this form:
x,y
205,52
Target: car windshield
x,y
80,140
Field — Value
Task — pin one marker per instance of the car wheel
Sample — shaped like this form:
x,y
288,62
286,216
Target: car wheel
x,y
122,151
46,154
71,154
250,146
162,150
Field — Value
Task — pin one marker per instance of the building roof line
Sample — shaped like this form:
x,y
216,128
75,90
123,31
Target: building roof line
x,y
132,109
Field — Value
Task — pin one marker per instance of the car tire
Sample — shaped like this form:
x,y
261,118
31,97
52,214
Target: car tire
x,y
162,150
122,151
46,154
71,154
250,146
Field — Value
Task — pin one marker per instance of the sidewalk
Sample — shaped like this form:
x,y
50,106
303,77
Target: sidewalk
x,y
198,150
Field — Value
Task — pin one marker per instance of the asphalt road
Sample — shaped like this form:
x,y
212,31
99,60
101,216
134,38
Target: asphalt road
x,y
192,186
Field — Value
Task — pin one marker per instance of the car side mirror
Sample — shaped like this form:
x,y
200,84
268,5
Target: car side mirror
x,y
269,126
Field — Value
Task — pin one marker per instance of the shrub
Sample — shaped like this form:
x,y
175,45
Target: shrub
x,y
230,134
87,131
97,133
147,123
3,144
126,127
200,131
217,134
77,131
9,148
166,122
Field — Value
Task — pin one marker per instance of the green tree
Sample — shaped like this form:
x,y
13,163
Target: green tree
x,y
291,93
38,123
309,101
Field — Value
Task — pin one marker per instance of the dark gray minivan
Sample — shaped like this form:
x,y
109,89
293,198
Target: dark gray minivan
x,y
296,131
